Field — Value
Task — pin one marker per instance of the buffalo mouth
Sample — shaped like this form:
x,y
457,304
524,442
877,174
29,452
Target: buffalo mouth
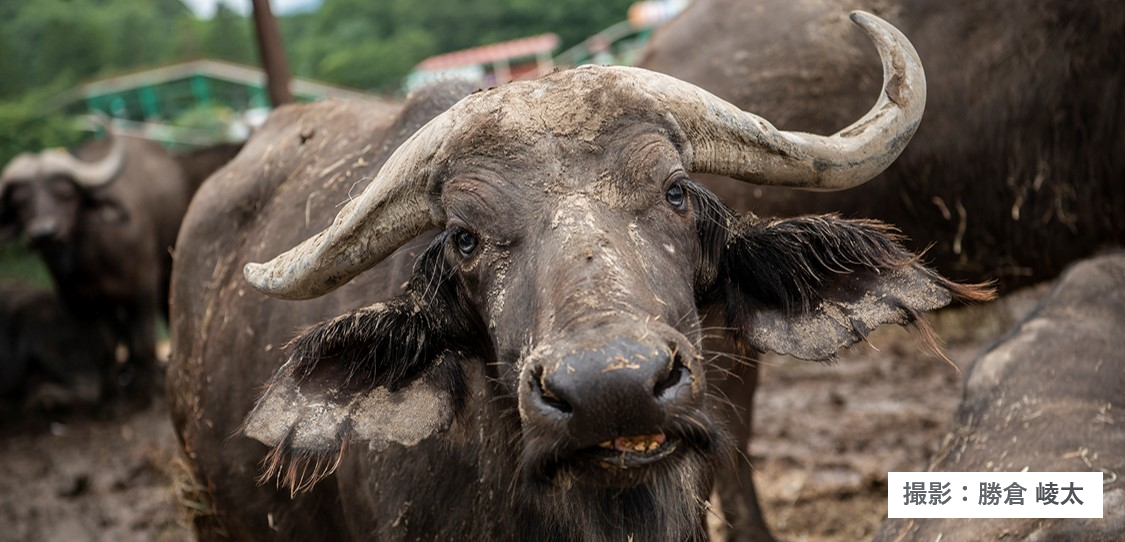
x,y
630,452
620,462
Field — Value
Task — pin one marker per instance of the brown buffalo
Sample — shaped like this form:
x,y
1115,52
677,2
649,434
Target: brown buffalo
x,y
1016,170
1046,398
104,222
525,355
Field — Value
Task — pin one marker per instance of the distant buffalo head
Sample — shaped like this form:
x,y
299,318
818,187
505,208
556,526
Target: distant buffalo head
x,y
43,195
574,258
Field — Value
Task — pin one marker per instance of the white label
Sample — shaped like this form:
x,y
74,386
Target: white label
x,y
994,495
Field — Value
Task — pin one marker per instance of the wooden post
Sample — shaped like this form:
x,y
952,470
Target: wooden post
x,y
273,54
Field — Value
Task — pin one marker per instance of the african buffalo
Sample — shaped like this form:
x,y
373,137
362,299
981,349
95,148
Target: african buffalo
x,y
1047,397
103,222
1016,170
525,358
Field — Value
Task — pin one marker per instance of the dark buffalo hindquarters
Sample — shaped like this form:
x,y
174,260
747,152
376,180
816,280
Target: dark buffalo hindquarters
x,y
541,375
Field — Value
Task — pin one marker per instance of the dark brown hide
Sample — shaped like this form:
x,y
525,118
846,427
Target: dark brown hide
x,y
1016,169
318,155
1046,398
199,164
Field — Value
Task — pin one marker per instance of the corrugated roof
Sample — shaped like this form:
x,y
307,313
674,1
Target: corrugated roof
x,y
237,73
485,54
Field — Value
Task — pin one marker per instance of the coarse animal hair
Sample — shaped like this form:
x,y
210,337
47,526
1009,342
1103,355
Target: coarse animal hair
x,y
671,506
794,260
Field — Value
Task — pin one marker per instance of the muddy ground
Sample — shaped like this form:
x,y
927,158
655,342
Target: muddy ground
x,y
826,436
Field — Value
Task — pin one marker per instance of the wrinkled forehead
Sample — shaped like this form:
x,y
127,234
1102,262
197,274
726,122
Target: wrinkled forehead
x,y
579,106
561,134
622,171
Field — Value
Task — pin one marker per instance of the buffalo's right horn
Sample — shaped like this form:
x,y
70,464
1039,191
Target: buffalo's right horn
x,y
728,141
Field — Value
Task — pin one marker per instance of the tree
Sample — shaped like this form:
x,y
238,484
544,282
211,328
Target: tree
x,y
228,37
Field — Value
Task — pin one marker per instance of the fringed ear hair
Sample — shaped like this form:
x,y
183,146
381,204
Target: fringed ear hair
x,y
809,286
300,470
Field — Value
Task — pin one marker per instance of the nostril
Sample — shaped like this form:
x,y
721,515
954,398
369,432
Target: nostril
x,y
40,231
548,397
678,373
554,402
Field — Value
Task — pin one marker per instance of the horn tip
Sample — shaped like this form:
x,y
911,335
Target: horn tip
x,y
255,274
259,276
864,19
270,279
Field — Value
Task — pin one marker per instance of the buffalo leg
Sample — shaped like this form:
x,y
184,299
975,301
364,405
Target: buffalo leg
x,y
136,379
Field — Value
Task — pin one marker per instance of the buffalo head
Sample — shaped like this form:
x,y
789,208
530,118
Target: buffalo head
x,y
42,195
574,257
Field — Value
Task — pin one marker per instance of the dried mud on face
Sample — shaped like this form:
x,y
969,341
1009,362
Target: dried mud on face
x,y
824,439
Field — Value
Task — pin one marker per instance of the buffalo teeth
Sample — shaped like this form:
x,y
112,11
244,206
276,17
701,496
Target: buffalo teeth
x,y
636,444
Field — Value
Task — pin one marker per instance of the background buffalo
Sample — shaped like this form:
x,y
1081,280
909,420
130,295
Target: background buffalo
x,y
104,221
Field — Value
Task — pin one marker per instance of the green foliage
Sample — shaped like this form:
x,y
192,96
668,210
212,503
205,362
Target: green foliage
x,y
368,44
228,37
25,126
376,63
20,265
63,42
374,45
210,121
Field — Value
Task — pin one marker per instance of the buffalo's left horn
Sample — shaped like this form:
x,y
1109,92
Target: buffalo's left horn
x,y
728,141
88,174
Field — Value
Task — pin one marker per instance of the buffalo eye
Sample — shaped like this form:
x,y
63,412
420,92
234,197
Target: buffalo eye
x,y
676,197
466,243
19,193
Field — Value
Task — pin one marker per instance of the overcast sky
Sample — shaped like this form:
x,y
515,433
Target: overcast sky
x,y
206,8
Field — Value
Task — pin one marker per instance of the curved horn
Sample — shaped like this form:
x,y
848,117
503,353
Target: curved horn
x,y
88,174
399,196
728,141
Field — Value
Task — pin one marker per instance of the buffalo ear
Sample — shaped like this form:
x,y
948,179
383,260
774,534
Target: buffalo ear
x,y
9,218
810,286
378,374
